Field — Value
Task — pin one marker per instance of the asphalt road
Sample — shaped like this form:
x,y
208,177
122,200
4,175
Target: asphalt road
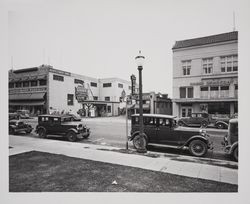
x,y
112,132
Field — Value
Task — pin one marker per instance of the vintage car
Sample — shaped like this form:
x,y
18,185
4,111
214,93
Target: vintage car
x,y
14,116
61,125
161,130
17,126
24,114
230,142
196,119
74,117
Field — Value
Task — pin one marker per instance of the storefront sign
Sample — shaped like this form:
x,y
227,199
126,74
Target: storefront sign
x,y
56,71
81,93
27,90
212,83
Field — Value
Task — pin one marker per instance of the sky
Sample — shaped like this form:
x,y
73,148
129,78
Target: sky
x,y
102,38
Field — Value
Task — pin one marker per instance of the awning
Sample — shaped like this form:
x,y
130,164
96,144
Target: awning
x,y
27,103
26,96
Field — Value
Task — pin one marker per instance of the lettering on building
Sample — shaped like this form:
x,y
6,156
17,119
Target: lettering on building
x,y
81,93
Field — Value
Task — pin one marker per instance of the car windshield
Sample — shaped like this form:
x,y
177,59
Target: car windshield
x,y
67,119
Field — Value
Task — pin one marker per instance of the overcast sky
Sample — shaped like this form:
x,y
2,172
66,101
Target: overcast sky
x,y
101,38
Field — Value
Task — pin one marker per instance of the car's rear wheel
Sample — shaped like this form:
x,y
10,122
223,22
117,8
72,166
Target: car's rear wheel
x,y
235,154
139,142
198,148
204,124
42,133
220,126
71,136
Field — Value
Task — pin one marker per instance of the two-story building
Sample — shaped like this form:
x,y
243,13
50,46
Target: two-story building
x,y
205,75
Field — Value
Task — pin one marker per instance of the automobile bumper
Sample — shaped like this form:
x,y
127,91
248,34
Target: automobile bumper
x,y
83,134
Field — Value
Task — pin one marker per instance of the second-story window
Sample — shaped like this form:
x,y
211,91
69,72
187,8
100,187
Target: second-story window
x,y
186,67
33,83
186,92
42,82
93,84
107,98
26,84
120,85
95,98
229,63
58,78
207,65
70,99
11,85
18,84
107,85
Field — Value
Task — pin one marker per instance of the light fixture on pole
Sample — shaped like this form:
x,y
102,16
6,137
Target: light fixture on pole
x,y
142,143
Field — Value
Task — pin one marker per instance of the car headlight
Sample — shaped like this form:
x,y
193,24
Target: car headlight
x,y
203,132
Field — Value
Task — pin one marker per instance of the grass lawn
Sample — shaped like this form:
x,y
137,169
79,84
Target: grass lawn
x,y
44,172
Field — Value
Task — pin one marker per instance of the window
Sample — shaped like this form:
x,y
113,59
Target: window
x,y
11,85
109,109
207,65
107,98
18,84
229,63
186,92
236,86
224,88
42,82
204,88
135,120
164,122
148,121
95,98
78,81
107,85
120,85
214,88
93,84
70,99
26,84
33,83
58,78
186,67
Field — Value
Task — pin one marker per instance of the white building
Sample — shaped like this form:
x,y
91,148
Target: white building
x,y
45,89
205,75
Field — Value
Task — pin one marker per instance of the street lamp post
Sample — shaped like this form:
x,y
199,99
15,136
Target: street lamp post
x,y
142,144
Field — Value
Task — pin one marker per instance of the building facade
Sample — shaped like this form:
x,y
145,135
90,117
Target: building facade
x,y
205,75
44,89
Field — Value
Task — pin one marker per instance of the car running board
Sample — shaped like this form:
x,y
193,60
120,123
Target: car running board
x,y
169,146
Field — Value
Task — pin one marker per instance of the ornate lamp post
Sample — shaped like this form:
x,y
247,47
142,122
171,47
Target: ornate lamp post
x,y
139,61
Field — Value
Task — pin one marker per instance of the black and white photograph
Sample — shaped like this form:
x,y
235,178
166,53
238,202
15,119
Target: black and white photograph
x,y
138,100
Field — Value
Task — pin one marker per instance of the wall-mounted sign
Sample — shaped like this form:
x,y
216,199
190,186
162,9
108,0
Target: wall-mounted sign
x,y
27,90
56,71
212,82
81,93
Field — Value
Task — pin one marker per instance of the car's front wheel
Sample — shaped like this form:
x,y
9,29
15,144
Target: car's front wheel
x,y
42,133
204,124
71,136
139,142
198,148
235,154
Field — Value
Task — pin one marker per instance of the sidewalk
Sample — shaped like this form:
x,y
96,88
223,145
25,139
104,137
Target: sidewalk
x,y
184,165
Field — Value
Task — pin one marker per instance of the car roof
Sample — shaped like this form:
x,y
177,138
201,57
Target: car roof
x,y
156,115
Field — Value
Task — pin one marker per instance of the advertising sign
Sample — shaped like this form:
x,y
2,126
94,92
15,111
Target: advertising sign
x,y
81,93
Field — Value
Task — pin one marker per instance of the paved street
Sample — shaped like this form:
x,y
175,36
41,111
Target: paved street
x,y
111,131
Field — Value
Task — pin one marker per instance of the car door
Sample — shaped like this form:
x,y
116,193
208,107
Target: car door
x,y
54,125
150,128
193,119
165,132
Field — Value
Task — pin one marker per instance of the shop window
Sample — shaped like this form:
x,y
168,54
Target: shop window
x,y
207,65
26,84
236,86
70,99
120,85
93,84
33,83
204,88
109,109
105,85
107,98
78,81
224,88
186,67
214,88
18,84
42,82
58,78
11,85
229,63
183,112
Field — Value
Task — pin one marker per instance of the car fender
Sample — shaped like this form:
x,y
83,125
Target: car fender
x,y
184,121
73,130
40,127
221,122
194,138
137,133
12,126
233,147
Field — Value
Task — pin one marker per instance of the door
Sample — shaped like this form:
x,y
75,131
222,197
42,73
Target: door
x,y
54,125
165,132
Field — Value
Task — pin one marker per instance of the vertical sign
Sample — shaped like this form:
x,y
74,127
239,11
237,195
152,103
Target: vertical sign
x,y
133,83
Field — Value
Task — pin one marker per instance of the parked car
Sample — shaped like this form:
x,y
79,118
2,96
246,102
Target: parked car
x,y
61,125
161,130
196,119
230,143
14,116
17,126
24,114
220,121
74,117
